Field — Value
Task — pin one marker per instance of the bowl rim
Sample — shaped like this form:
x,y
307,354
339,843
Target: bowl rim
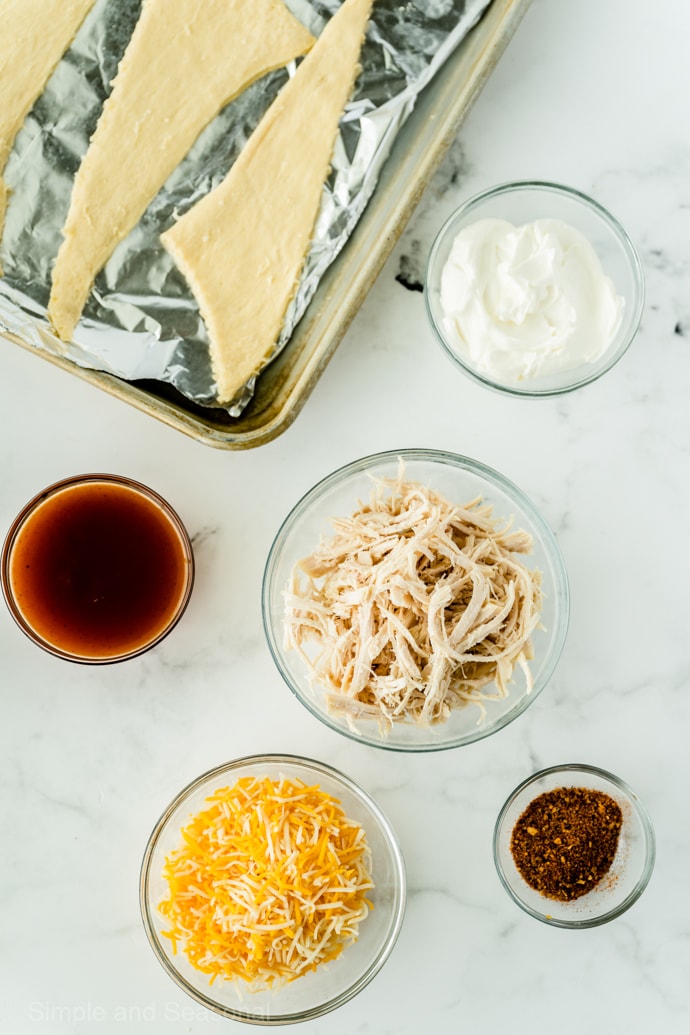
x,y
619,231
447,459
640,812
318,768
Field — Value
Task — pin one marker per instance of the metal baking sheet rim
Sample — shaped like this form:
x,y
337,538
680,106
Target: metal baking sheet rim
x,y
286,384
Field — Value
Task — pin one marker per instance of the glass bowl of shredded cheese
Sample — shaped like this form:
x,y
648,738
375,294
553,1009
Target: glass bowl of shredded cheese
x,y
272,889
415,600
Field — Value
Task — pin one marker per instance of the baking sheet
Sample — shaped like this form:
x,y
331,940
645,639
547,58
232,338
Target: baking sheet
x,y
287,381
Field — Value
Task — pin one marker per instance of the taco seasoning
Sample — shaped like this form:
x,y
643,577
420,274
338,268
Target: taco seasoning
x,y
565,841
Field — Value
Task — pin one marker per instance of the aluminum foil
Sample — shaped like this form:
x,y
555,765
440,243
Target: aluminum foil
x,y
141,320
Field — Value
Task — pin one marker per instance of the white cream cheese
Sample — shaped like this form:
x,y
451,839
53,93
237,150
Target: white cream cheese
x,y
528,301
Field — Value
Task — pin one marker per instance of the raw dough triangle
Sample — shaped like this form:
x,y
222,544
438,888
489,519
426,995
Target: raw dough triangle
x,y
34,34
185,61
242,247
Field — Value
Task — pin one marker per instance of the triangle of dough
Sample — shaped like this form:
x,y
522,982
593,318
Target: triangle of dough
x,y
34,34
242,247
185,61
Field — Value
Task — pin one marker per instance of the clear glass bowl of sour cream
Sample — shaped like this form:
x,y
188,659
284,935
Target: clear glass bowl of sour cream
x,y
534,288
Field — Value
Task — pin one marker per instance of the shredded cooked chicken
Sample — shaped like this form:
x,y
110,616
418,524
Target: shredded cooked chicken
x,y
414,606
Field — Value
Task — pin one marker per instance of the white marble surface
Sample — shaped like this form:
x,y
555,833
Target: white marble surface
x,y
590,93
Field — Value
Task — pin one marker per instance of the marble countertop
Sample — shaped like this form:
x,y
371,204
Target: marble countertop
x,y
590,94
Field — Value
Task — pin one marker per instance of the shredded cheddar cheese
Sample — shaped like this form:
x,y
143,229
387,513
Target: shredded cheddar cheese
x,y
270,882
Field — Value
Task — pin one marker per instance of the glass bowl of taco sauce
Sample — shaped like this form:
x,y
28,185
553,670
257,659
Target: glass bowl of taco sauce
x,y
97,568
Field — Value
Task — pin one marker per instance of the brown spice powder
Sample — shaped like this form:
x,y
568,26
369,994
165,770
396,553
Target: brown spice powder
x,y
565,841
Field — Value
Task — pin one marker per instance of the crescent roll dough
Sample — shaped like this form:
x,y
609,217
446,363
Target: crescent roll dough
x,y
185,61
242,247
34,34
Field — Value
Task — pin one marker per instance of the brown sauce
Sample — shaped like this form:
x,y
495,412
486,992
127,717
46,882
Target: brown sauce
x,y
99,570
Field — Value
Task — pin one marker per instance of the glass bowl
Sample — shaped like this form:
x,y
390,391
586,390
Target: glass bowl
x,y
331,984
97,569
460,480
519,203
631,868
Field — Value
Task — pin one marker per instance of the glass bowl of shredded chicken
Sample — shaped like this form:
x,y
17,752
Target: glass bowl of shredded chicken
x,y
272,889
415,600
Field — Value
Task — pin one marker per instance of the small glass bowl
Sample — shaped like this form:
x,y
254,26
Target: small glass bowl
x,y
519,203
85,639
631,868
331,984
460,480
